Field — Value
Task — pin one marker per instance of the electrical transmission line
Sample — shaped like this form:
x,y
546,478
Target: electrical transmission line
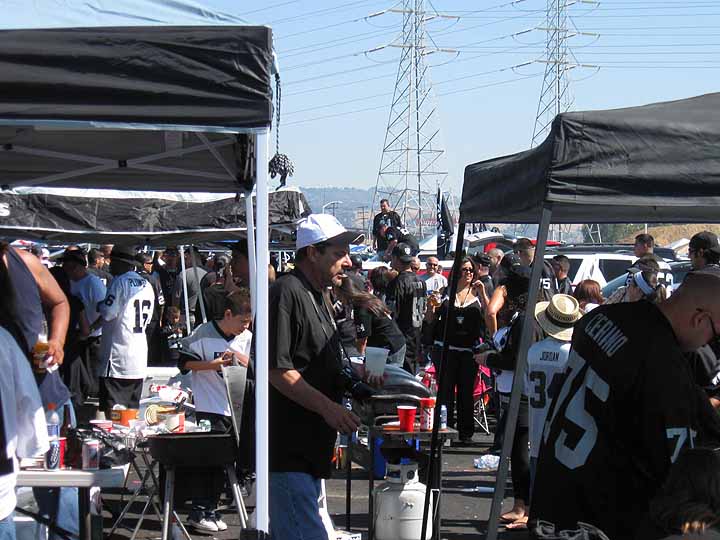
x,y
412,164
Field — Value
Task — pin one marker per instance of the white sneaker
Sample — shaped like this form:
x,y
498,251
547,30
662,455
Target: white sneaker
x,y
219,523
204,525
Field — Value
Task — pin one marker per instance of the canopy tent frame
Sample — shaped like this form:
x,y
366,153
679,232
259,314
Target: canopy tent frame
x,y
593,167
180,70
139,163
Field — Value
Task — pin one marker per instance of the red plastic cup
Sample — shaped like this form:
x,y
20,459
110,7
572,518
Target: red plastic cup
x,y
63,446
406,414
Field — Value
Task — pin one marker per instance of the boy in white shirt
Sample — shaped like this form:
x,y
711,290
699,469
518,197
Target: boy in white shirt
x,y
212,345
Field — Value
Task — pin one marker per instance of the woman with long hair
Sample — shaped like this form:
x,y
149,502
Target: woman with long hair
x,y
373,322
588,294
379,279
460,367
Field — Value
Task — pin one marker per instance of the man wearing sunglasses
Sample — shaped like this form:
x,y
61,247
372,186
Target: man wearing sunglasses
x,y
704,249
628,405
433,278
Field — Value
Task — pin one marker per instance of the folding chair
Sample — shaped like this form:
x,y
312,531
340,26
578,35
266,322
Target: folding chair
x,y
481,397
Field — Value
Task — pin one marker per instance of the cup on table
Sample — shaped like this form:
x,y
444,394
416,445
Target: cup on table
x,y
406,415
375,359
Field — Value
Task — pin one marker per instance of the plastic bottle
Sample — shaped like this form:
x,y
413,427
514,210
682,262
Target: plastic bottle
x,y
443,417
40,349
52,457
53,421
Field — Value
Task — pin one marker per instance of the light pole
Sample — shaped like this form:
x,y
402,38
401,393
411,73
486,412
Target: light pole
x,y
331,203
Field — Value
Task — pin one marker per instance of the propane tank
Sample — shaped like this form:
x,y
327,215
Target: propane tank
x,y
399,505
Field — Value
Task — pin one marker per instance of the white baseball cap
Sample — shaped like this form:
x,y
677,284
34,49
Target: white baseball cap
x,y
317,228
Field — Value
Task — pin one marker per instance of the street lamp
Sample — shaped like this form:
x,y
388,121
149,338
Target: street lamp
x,y
331,203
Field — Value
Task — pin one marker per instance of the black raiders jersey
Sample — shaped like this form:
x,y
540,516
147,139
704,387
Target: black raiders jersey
x,y
627,406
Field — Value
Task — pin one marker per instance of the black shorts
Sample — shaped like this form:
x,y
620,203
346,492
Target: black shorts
x,y
125,392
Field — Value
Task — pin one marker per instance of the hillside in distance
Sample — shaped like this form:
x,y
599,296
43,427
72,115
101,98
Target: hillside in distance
x,y
352,203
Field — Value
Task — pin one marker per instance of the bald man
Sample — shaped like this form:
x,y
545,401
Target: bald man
x,y
627,406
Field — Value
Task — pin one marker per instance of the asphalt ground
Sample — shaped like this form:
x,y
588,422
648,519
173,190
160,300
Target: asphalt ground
x,y
465,511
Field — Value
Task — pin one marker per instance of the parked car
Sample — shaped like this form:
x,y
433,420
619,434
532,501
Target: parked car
x,y
602,267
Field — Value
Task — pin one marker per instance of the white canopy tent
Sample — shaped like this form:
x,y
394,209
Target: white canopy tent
x,y
144,95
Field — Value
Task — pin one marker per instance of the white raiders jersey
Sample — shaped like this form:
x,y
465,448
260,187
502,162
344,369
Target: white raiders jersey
x,y
547,360
126,311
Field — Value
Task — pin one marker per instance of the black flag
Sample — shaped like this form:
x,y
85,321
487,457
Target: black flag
x,y
445,227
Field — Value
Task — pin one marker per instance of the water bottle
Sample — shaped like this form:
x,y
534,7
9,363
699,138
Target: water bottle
x,y
53,421
443,417
52,457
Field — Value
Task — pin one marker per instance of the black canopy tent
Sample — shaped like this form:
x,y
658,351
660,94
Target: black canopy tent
x,y
655,163
64,217
138,100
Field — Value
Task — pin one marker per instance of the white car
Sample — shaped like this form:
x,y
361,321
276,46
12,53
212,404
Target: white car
x,y
601,267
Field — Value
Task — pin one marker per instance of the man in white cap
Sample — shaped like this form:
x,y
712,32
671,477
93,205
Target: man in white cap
x,y
306,378
124,315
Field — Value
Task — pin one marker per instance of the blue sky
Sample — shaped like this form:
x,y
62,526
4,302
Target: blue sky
x,y
336,95
646,51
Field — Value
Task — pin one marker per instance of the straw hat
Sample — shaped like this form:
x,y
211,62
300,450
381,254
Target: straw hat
x,y
558,316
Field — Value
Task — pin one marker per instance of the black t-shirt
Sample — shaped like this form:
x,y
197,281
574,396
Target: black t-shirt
x,y
548,282
380,330
406,296
705,366
469,324
564,286
402,235
489,284
167,276
303,338
390,219
627,406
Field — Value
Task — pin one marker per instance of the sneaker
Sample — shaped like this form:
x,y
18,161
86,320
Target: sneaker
x,y
203,524
217,518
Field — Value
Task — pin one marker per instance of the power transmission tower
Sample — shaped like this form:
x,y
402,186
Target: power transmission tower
x,y
411,165
555,95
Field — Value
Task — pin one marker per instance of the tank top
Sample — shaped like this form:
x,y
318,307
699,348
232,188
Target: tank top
x,y
28,307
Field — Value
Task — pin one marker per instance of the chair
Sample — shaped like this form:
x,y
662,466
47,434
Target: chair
x,y
481,397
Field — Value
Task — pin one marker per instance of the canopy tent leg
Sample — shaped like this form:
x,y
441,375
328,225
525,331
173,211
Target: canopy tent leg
x,y
201,300
250,222
440,372
519,378
262,332
185,290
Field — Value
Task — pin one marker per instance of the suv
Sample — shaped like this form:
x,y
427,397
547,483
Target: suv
x,y
602,267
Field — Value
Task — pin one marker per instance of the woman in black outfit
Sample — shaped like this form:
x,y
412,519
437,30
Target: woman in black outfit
x,y
460,367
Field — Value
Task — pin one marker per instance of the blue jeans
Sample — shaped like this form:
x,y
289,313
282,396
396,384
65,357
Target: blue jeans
x,y
7,528
294,510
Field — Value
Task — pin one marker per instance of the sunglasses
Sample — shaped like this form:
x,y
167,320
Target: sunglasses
x,y
431,264
467,270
